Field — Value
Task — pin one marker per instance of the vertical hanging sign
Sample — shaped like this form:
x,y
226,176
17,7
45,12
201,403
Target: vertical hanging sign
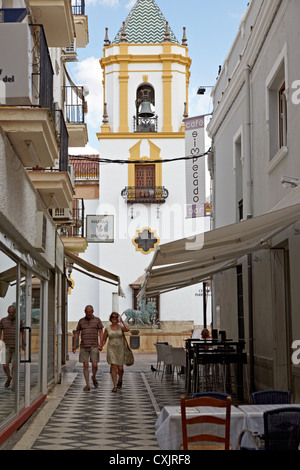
x,y
195,167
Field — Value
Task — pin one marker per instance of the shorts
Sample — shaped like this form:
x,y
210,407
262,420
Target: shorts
x,y
89,354
10,355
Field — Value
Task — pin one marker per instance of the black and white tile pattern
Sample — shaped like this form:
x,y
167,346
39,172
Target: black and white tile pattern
x,y
103,420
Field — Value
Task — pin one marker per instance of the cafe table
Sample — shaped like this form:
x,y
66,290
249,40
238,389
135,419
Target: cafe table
x,y
254,418
168,425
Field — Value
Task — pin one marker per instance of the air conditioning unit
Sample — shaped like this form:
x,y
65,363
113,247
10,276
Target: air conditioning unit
x,y
69,54
62,213
41,232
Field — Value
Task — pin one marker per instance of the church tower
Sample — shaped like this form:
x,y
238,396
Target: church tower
x,y
146,74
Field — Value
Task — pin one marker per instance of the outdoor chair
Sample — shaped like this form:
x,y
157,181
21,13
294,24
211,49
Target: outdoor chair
x,y
217,442
167,358
159,351
281,431
178,360
218,395
271,397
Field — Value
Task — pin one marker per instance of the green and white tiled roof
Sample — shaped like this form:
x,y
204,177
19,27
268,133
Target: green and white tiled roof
x,y
145,24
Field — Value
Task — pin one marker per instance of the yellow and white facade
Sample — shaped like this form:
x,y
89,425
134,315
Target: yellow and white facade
x,y
145,66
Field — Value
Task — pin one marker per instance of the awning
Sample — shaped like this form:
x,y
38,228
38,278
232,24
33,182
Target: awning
x,y
192,260
91,268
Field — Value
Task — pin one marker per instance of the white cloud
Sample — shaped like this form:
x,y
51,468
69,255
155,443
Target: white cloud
x,y
130,3
87,150
88,73
108,3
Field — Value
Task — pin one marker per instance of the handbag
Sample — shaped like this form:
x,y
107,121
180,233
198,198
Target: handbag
x,y
128,354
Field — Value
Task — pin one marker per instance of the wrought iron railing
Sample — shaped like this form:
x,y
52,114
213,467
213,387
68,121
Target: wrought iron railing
x,y
77,228
75,104
153,194
64,141
42,70
145,124
78,7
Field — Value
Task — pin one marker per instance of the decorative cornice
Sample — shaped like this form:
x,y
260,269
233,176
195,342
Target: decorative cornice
x,y
141,135
145,59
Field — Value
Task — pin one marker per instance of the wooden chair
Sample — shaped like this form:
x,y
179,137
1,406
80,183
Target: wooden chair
x,y
223,442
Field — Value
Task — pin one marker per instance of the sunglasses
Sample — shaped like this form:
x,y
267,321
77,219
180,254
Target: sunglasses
x,y
115,316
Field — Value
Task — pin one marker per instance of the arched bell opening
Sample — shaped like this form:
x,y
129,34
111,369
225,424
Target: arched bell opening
x,y
145,119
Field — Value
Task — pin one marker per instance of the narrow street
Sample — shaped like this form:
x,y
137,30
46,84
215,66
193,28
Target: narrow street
x,y
72,419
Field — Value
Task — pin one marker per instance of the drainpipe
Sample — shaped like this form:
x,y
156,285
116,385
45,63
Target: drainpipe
x,y
249,188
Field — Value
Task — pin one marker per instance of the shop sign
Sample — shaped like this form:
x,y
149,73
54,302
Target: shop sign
x,y
100,228
15,73
195,166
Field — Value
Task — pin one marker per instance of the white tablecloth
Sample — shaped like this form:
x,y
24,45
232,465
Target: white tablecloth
x,y
254,418
168,425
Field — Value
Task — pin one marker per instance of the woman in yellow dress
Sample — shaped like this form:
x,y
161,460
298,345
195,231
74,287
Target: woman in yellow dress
x,y
115,348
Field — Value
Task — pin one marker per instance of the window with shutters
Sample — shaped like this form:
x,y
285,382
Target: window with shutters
x,y
144,181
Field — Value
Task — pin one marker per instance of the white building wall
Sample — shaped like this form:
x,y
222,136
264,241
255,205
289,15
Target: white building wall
x,y
121,257
272,42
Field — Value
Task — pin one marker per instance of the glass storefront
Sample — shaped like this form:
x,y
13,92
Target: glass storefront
x,y
21,300
8,337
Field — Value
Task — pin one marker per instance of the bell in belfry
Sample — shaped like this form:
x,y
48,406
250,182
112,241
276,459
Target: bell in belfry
x,y
146,109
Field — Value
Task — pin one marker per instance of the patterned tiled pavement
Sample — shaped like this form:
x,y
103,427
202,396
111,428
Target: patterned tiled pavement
x,y
73,419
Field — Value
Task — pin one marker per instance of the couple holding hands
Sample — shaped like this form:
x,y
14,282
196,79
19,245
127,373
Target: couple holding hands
x,y
90,328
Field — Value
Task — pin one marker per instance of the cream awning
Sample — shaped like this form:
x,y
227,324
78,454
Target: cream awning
x,y
91,268
191,260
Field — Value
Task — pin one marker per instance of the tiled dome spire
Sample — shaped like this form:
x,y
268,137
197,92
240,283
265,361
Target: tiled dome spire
x,y
145,24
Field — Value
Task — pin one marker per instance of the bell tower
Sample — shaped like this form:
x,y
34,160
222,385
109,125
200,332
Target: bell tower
x,y
146,73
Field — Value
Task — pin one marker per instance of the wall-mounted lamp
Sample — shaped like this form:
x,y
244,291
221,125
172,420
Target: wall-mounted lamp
x,y
202,89
289,182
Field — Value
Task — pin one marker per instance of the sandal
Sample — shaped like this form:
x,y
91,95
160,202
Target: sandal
x,y
86,389
119,384
95,383
114,389
7,383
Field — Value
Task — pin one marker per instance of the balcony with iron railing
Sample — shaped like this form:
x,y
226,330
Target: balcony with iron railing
x,y
57,18
75,110
28,118
78,7
72,232
145,195
81,23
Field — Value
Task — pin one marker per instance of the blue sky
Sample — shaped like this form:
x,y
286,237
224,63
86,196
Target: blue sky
x,y
211,26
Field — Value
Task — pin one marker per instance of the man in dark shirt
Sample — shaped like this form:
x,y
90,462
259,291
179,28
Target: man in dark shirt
x,y
89,327
8,331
